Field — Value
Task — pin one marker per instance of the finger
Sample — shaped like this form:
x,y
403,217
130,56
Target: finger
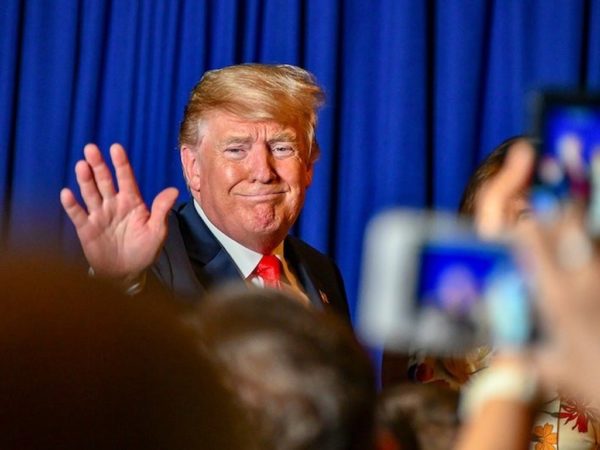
x,y
574,249
574,214
550,367
161,205
567,365
495,197
538,257
73,209
594,207
87,186
102,175
125,177
516,171
519,165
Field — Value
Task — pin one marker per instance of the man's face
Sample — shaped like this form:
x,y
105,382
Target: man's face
x,y
249,177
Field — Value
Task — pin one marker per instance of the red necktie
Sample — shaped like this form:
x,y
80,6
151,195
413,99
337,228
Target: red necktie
x,y
269,269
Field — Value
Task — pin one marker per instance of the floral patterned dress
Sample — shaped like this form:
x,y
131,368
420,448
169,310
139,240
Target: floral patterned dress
x,y
560,424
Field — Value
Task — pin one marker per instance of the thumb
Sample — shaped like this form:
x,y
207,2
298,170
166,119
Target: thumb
x,y
161,205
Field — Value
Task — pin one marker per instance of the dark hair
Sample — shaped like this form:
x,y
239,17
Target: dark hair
x,y
419,416
302,376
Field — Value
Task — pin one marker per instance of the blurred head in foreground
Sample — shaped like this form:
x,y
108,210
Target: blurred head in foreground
x,y
301,375
82,366
417,417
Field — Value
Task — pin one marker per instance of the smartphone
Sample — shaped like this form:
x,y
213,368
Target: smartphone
x,y
429,284
567,124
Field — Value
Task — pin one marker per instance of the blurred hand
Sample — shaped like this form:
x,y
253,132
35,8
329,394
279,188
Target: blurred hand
x,y
565,271
566,275
120,237
498,194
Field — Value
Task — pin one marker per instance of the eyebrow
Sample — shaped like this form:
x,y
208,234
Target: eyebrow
x,y
283,136
237,140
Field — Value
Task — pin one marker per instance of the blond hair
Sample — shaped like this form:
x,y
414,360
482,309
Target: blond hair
x,y
282,93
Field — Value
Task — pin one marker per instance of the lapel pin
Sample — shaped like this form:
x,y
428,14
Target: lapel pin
x,y
323,297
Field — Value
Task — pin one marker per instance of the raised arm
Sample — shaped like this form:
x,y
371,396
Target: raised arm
x,y
120,237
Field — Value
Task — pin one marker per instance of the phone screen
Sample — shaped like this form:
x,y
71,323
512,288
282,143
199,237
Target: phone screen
x,y
568,125
453,276
477,285
429,283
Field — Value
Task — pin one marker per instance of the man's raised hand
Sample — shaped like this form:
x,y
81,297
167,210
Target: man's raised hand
x,y
120,237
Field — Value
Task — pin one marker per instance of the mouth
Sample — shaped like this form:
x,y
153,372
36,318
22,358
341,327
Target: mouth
x,y
262,196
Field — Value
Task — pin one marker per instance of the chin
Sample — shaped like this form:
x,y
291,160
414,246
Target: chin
x,y
266,229
267,222
271,232
262,220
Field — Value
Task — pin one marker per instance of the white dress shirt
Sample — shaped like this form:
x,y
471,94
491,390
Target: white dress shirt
x,y
246,260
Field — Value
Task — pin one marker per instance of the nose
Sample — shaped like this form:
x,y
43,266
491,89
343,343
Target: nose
x,y
261,164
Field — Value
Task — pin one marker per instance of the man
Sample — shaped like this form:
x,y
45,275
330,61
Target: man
x,y
247,145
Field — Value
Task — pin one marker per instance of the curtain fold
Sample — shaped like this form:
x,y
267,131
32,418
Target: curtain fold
x,y
418,92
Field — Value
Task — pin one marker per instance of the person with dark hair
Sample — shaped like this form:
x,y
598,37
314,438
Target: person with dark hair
x,y
477,204
300,374
83,366
456,371
248,148
486,171
516,210
549,415
417,417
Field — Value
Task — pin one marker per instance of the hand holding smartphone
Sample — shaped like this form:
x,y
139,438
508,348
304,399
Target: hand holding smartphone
x,y
568,127
430,284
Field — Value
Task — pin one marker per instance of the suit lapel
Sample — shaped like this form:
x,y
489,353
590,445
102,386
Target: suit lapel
x,y
212,264
311,285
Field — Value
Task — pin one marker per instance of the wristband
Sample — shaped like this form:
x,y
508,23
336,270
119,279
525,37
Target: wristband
x,y
511,383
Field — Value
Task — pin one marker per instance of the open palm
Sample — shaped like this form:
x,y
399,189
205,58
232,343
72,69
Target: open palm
x,y
120,237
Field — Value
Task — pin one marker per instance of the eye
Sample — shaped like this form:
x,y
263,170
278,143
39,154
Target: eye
x,y
235,152
524,214
283,151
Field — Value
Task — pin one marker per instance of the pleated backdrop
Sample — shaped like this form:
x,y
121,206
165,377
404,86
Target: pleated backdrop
x,y
418,92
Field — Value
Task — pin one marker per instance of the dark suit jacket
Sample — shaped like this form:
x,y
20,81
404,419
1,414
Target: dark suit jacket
x,y
192,261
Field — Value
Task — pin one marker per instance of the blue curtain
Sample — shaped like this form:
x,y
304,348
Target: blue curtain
x,y
418,93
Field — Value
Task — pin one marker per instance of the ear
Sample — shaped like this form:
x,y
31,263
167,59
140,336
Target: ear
x,y
309,173
189,164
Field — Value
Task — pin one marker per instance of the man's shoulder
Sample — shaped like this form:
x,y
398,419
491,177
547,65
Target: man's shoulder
x,y
317,263
181,209
306,250
184,220
176,221
187,240
323,272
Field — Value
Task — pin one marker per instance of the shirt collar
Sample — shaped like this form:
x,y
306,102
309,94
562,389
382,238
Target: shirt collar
x,y
243,257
